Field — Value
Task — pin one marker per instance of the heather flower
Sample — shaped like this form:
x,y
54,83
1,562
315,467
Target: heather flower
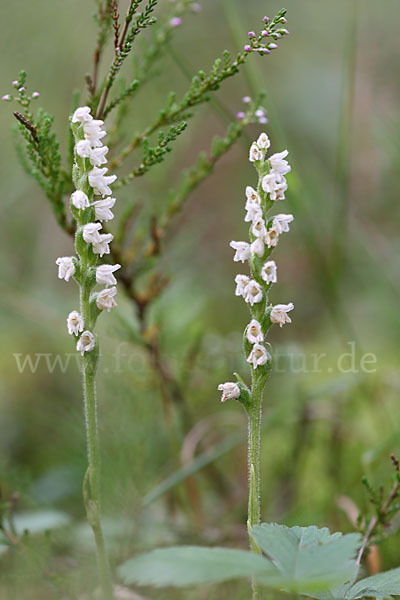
x,y
100,182
105,299
102,209
66,267
75,323
229,390
242,251
104,274
86,342
80,200
279,314
258,356
175,22
254,293
254,333
269,272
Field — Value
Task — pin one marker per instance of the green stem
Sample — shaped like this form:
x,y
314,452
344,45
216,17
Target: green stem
x,y
254,416
93,448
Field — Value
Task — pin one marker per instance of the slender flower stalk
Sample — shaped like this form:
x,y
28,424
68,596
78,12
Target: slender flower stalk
x,y
265,230
90,244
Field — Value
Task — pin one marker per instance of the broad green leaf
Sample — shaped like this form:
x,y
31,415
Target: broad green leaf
x,y
190,565
383,585
309,559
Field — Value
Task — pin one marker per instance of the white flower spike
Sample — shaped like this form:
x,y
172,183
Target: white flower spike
x,y
94,132
229,390
242,282
101,246
272,237
279,314
263,141
82,115
282,222
91,233
66,267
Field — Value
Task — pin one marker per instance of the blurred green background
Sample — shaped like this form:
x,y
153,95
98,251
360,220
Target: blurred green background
x,y
333,101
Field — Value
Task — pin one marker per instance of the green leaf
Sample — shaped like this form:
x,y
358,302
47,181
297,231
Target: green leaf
x,y
383,585
190,565
309,559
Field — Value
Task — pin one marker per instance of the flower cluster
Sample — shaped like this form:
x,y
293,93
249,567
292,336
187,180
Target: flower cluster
x,y
90,181
265,231
272,30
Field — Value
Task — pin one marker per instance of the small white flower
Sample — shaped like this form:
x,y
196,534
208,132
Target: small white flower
x,y
82,115
254,333
263,141
241,284
272,236
83,148
258,227
258,356
66,267
257,247
253,293
100,182
253,204
102,209
275,185
104,274
242,251
91,233
282,222
80,200
93,132
255,153
252,195
229,390
101,246
75,323
97,156
279,314
278,163
105,299
86,342
269,272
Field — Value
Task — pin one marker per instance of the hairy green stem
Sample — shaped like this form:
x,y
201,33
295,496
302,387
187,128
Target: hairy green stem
x,y
93,448
254,432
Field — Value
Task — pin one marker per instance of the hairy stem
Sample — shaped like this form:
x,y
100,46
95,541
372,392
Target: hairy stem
x,y
254,432
93,449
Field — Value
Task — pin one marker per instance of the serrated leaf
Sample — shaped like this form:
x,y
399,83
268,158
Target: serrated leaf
x,y
309,559
383,585
190,565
